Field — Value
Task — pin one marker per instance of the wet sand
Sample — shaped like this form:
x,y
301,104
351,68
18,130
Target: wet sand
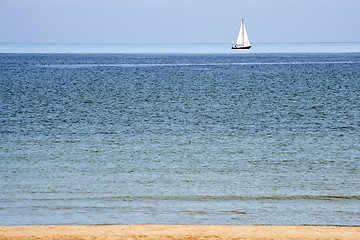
x,y
178,232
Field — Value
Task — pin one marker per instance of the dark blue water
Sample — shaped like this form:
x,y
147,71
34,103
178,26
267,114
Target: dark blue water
x,y
180,139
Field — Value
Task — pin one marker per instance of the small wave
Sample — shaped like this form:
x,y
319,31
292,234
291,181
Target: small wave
x,y
260,198
204,198
186,64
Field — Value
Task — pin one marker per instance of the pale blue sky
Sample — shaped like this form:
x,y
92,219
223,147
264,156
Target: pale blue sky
x,y
178,21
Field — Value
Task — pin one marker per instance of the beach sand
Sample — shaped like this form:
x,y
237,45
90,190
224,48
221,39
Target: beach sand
x,y
178,232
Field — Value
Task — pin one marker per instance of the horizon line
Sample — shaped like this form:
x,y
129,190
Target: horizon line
x,y
159,43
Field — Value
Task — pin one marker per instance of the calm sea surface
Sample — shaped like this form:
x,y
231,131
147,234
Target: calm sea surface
x,y
180,138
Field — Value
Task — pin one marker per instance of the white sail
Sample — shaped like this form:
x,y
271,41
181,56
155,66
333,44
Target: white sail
x,y
243,38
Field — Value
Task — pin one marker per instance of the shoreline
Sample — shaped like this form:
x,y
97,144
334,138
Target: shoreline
x,y
178,232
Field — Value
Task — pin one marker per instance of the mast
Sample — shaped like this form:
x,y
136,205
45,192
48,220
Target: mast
x,y
242,34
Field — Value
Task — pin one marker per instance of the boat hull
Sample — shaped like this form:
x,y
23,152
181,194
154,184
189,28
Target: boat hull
x,y
240,47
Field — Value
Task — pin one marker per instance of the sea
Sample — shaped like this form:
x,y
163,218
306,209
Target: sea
x,y
180,134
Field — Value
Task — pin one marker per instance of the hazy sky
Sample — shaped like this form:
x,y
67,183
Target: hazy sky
x,y
178,21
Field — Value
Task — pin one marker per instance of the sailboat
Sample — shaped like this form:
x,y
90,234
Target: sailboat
x,y
243,40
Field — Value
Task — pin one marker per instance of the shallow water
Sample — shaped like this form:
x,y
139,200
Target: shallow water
x,y
180,139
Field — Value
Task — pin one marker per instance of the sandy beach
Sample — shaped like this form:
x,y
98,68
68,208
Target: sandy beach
x,y
178,232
